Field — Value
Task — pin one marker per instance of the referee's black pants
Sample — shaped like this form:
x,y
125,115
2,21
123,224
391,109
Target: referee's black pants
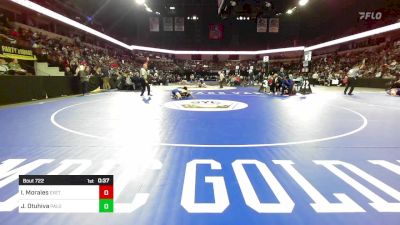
x,y
144,86
350,84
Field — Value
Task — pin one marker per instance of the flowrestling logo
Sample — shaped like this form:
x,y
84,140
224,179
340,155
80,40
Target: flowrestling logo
x,y
208,105
370,15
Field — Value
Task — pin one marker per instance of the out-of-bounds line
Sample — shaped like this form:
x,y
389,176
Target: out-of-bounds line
x,y
363,125
372,105
54,122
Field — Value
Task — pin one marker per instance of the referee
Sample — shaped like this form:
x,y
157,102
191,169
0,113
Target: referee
x,y
352,76
144,77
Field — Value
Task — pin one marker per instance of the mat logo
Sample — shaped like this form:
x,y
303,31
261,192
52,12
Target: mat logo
x,y
284,202
226,93
208,105
381,197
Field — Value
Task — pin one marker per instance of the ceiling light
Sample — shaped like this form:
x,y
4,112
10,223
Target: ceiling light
x,y
303,2
61,18
140,2
233,3
290,11
149,10
369,33
248,18
158,13
172,8
188,17
268,4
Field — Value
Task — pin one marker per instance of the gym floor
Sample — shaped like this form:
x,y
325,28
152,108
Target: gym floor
x,y
231,156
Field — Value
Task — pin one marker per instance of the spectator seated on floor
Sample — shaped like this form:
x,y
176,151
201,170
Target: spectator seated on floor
x,y
287,86
394,92
180,93
394,88
184,82
395,83
298,82
121,81
15,68
237,80
202,84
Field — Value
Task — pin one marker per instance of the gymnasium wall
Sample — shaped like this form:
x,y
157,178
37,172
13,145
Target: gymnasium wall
x,y
16,89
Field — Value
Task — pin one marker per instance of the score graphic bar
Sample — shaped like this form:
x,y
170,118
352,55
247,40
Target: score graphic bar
x,y
66,194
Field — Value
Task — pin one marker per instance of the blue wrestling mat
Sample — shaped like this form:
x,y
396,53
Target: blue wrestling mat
x,y
229,157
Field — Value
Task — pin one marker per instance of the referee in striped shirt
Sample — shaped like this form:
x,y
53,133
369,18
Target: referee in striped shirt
x,y
352,76
144,77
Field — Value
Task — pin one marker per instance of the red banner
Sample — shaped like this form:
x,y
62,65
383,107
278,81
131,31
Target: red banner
x,y
216,31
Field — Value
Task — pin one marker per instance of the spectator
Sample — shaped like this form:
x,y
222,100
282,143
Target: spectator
x,y
4,22
15,68
3,67
68,72
287,86
221,79
84,73
272,83
394,89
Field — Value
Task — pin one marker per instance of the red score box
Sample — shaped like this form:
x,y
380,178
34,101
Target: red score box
x,y
106,192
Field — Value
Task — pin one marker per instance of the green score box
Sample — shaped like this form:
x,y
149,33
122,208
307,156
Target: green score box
x,y
106,206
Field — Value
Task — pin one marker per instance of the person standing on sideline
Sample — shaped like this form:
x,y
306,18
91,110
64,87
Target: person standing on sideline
x,y
352,76
221,79
83,73
314,79
106,78
144,77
